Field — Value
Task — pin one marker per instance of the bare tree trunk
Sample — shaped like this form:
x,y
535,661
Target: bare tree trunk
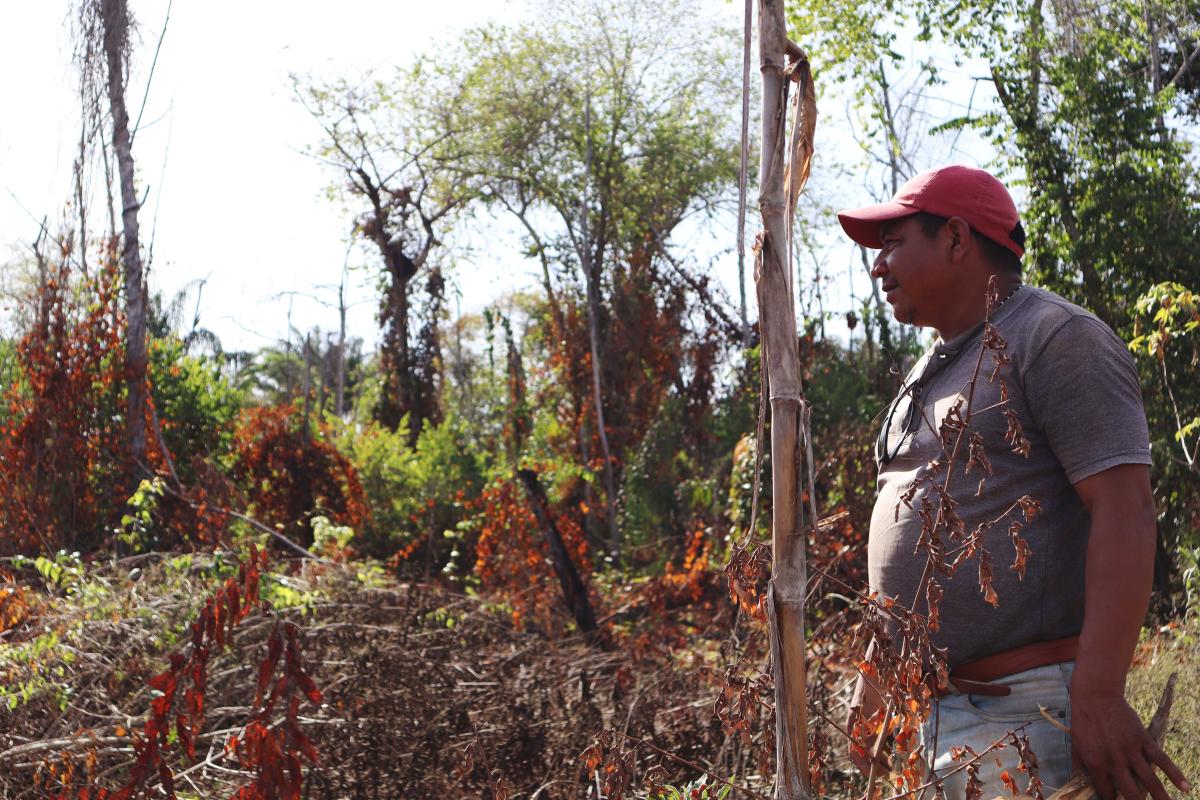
x,y
591,273
395,361
339,397
115,16
889,127
306,352
80,200
789,411
287,355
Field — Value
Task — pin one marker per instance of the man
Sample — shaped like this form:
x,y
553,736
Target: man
x,y
1064,631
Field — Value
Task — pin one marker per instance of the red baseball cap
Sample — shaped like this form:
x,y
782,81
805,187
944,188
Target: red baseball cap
x,y
955,191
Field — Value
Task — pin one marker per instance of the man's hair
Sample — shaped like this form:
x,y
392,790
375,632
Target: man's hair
x,y
1000,257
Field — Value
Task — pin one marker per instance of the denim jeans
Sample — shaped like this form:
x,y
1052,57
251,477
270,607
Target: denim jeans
x,y
979,720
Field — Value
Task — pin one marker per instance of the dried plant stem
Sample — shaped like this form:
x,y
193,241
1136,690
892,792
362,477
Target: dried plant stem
x,y
939,520
996,745
781,177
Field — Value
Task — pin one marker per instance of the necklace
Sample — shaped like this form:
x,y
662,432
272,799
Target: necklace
x,y
1007,297
884,454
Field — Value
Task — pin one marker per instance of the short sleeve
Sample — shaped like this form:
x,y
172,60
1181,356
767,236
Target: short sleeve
x,y
1084,394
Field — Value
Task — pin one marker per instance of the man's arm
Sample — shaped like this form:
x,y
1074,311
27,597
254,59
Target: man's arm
x,y
1107,737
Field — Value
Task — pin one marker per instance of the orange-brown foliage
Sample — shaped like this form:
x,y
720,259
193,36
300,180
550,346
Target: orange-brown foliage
x,y
63,461
14,603
512,559
292,474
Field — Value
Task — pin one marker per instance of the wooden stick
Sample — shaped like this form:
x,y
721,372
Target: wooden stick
x,y
777,321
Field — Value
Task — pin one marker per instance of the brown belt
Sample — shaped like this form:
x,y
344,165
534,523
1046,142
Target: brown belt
x,y
975,677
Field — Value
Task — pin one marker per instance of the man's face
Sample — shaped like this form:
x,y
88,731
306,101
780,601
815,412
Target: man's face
x,y
915,272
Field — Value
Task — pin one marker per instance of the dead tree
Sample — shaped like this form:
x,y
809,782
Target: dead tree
x,y
573,588
115,16
402,174
103,53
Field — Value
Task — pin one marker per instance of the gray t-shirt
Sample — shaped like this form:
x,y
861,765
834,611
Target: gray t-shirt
x,y
1075,388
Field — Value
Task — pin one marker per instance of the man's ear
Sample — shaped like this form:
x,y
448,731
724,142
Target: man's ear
x,y
961,241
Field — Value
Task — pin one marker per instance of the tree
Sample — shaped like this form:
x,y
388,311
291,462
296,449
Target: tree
x,y
1085,93
605,136
1115,209
395,145
308,374
105,27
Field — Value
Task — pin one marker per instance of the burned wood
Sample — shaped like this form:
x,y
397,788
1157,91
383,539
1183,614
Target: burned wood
x,y
573,588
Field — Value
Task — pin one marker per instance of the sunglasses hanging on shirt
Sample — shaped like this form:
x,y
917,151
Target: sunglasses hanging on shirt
x,y
910,397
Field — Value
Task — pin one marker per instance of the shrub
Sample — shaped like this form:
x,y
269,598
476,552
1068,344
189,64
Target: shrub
x,y
512,557
291,472
197,408
415,493
63,462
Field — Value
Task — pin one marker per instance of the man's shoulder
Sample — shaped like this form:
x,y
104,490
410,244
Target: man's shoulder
x,y
1044,314
1045,304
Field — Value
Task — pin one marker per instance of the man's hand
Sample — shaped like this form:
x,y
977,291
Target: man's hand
x,y
1107,737
1109,741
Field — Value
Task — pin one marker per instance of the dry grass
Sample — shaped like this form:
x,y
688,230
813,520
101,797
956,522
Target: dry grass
x,y
1173,649
426,693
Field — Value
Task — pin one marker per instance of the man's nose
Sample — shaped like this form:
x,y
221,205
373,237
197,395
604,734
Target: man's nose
x,y
879,269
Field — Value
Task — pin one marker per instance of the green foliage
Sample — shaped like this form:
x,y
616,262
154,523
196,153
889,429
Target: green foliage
x,y
843,386
657,141
84,602
63,572
29,657
328,537
1167,341
414,493
741,488
1116,207
283,591
196,405
1189,558
137,523
474,389
283,372
656,490
701,789
1172,310
845,37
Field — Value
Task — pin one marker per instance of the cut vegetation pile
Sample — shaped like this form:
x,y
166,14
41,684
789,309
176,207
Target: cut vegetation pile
x,y
425,693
